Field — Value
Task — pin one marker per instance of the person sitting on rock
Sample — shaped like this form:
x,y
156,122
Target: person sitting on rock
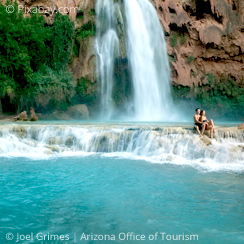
x,y
209,125
198,124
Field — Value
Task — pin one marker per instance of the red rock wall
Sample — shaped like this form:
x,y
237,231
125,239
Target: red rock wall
x,y
210,32
203,36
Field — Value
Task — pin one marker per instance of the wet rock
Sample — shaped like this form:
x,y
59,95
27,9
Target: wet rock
x,y
241,147
78,112
59,116
54,141
157,129
48,152
102,143
53,148
236,149
70,141
206,140
241,127
132,129
20,131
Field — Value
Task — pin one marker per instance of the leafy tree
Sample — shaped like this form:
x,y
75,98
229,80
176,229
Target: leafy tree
x,y
224,97
52,89
86,30
22,49
27,48
62,41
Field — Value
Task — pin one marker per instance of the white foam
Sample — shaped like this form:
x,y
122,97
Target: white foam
x,y
156,145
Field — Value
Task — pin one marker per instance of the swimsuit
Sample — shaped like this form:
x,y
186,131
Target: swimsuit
x,y
206,126
199,125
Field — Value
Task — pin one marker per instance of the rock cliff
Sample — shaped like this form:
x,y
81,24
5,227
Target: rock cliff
x,y
203,36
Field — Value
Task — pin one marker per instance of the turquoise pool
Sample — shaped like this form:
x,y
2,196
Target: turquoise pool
x,y
66,199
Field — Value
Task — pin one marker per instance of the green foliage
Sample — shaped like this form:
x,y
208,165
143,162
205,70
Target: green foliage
x,y
7,87
33,59
181,92
86,30
212,80
223,97
190,59
82,86
22,45
76,49
63,33
174,39
183,39
82,95
172,57
52,89
80,14
92,12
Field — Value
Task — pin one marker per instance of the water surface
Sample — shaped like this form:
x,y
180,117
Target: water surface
x,y
96,194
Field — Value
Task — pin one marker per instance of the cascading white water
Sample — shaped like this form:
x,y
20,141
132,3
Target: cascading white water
x,y
147,55
154,144
107,45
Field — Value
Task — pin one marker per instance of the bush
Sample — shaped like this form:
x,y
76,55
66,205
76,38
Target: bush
x,y
62,41
222,98
190,59
82,94
34,59
76,49
183,39
174,40
92,12
52,89
86,30
80,14
23,50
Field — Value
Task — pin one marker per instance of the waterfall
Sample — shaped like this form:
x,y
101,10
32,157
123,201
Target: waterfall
x,y
174,145
107,46
147,54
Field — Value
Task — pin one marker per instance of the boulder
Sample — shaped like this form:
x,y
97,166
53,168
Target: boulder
x,y
57,115
33,115
21,117
241,127
79,111
206,140
211,34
